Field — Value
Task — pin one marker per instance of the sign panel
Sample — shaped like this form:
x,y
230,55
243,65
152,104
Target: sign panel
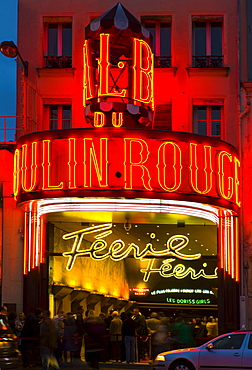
x,y
134,163
162,263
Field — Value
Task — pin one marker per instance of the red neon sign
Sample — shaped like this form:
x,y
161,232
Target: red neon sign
x,y
126,161
46,167
130,79
174,171
100,167
129,163
29,173
104,69
207,175
143,72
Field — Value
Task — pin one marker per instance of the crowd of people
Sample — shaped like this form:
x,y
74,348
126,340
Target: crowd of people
x,y
118,337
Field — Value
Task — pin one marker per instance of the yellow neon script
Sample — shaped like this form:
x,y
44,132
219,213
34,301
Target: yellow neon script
x,y
117,250
179,271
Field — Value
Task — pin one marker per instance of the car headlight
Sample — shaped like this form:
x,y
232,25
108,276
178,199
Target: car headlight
x,y
160,358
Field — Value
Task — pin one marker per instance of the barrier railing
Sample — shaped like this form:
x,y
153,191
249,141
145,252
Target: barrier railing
x,y
147,351
8,129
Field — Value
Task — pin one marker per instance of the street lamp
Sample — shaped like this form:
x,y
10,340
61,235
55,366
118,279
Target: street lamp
x,y
10,50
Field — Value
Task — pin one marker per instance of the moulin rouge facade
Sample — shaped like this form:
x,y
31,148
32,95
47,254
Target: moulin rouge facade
x,y
131,123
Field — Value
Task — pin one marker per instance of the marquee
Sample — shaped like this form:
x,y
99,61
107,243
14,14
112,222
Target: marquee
x,y
128,163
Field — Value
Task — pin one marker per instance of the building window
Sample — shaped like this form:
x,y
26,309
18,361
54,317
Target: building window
x,y
160,29
207,120
207,44
162,118
58,42
59,117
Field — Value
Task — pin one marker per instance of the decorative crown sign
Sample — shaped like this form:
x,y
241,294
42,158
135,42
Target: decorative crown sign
x,y
118,71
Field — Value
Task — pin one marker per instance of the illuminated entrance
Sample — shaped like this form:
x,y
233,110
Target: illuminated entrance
x,y
141,250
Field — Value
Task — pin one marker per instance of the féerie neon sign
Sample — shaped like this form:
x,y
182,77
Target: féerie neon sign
x,y
99,250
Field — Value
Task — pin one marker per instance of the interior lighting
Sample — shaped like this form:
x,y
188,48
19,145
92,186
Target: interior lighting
x,y
10,50
127,226
226,219
132,205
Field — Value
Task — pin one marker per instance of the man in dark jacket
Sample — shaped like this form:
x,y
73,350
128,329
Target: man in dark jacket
x,y
129,335
141,332
80,331
30,331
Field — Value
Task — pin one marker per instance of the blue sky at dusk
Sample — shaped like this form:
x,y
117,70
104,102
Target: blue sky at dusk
x,y
8,31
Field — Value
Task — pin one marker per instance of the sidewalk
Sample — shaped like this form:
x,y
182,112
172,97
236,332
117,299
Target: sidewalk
x,y
103,366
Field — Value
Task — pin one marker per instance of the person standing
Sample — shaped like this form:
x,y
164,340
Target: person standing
x,y
69,341
94,339
212,328
19,326
199,332
59,326
153,323
160,339
12,316
80,332
4,315
184,333
30,331
141,330
115,330
129,336
48,342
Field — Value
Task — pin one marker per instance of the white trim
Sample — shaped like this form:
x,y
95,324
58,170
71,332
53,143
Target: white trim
x,y
125,205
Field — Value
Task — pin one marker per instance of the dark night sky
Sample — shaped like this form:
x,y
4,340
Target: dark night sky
x,y
8,31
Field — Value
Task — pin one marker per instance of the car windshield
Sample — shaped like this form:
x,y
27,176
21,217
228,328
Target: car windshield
x,y
231,341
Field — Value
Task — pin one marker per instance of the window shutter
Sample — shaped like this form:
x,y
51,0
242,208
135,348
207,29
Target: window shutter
x,y
162,118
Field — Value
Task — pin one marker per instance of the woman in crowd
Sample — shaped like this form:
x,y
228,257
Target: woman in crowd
x,y
18,328
69,343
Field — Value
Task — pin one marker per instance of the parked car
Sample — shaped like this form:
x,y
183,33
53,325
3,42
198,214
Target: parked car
x,y
227,351
10,357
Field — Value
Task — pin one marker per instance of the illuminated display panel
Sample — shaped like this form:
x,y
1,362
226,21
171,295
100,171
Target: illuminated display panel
x,y
181,258
103,211
165,165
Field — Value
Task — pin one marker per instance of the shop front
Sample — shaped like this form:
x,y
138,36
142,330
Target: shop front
x,y
115,217
120,214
